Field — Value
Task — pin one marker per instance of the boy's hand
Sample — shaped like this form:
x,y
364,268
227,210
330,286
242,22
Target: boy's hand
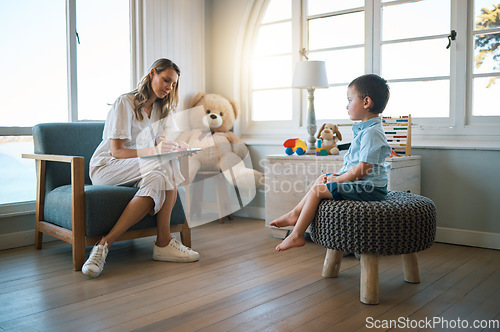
x,y
326,178
331,178
321,179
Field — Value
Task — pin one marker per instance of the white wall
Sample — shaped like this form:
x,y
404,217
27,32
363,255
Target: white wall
x,y
225,24
175,30
464,185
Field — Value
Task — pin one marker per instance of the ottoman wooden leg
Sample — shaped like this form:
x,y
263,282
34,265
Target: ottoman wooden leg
x,y
369,279
410,268
331,266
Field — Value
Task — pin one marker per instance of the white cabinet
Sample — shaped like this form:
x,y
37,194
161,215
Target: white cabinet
x,y
288,178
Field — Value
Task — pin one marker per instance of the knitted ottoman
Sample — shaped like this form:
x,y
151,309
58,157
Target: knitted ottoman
x,y
402,224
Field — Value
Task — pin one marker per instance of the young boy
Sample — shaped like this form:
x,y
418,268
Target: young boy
x,y
363,176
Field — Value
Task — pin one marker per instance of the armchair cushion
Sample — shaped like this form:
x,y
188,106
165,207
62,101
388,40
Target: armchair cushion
x,y
103,206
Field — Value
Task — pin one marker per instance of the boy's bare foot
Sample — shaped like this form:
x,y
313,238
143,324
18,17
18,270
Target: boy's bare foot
x,y
289,219
291,241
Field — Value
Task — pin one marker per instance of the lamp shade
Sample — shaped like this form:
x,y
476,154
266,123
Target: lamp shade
x,y
310,75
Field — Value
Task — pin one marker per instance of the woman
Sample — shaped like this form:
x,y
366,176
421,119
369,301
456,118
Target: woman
x,y
133,129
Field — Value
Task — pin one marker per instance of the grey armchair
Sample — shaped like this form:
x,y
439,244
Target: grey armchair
x,y
68,206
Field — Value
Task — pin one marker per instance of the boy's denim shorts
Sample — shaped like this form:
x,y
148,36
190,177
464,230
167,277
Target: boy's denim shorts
x,y
356,191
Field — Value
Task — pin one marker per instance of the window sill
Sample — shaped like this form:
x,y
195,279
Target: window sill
x,y
17,209
486,143
457,144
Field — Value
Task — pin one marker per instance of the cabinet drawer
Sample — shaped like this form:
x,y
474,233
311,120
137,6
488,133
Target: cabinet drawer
x,y
405,179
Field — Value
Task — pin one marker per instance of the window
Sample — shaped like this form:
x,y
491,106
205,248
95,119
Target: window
x,y
343,53
447,84
103,55
33,62
486,63
271,92
414,58
34,81
17,175
32,86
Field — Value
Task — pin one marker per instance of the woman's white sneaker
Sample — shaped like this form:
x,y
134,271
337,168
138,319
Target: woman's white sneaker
x,y
175,252
95,263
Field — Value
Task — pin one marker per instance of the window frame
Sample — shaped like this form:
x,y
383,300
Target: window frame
x,y
440,122
460,130
471,120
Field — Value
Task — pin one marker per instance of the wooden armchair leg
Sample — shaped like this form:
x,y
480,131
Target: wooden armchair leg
x,y
410,268
78,250
186,235
38,237
78,211
40,201
331,266
78,256
369,279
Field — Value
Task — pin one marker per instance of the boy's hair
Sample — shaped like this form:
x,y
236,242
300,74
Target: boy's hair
x,y
375,87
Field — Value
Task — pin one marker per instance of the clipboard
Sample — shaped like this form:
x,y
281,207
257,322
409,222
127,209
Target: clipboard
x,y
173,154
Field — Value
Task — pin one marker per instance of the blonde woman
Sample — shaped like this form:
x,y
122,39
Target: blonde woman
x,y
132,129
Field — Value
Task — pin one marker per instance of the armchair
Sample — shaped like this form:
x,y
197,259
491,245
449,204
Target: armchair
x,y
69,207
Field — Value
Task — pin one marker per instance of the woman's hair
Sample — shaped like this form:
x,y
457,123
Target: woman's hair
x,y
144,90
375,87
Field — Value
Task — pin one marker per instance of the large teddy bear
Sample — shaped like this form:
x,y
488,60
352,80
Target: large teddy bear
x,y
211,118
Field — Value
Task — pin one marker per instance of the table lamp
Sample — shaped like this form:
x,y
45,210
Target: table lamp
x,y
310,75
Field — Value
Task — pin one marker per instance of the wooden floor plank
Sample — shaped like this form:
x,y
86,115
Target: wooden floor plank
x,y
240,284
163,308
397,297
473,293
296,304
489,308
343,311
269,272
440,295
274,288
115,279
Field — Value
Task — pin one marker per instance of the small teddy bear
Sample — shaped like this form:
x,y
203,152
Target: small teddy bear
x,y
330,134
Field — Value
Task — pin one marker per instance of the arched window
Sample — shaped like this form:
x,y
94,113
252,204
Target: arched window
x,y
272,64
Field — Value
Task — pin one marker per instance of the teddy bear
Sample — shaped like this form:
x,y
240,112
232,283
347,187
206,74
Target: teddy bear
x,y
329,133
211,118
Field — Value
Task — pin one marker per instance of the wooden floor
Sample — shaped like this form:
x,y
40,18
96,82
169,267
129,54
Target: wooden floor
x,y
240,284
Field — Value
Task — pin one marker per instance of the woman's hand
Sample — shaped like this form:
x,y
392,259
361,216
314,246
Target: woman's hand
x,y
166,146
184,146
